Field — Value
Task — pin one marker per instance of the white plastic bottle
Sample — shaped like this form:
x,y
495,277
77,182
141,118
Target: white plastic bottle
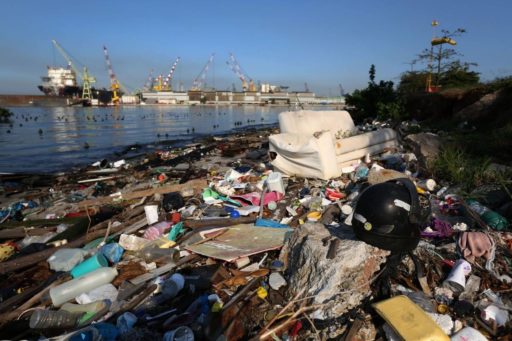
x,y
66,291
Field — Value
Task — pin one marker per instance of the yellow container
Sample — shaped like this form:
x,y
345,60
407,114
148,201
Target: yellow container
x,y
409,320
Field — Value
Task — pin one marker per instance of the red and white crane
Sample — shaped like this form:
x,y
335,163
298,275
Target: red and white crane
x,y
237,69
168,80
199,81
114,83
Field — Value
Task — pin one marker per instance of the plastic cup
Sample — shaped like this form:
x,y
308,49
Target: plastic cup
x,y
90,264
151,214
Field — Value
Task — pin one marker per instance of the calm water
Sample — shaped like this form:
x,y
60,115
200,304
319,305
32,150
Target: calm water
x,y
65,130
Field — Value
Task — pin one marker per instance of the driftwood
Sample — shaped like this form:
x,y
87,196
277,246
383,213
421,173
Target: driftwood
x,y
36,257
197,184
20,232
221,222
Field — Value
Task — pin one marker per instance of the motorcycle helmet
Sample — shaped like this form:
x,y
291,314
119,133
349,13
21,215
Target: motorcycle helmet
x,y
387,215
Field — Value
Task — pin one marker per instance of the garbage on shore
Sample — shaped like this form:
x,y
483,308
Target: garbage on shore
x,y
217,241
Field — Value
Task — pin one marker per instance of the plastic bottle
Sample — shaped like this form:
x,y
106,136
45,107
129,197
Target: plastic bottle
x,y
66,291
491,218
153,253
361,172
169,289
47,319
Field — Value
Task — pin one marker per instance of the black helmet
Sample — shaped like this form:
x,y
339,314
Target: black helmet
x,y
387,214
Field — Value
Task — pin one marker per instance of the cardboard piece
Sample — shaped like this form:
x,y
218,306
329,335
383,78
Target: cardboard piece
x,y
240,241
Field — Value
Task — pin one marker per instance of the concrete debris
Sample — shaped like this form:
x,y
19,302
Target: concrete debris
x,y
426,146
340,283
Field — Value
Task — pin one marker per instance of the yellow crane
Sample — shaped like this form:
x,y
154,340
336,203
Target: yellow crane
x,y
87,79
114,83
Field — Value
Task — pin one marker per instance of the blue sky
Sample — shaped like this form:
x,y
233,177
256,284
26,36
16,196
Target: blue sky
x,y
323,43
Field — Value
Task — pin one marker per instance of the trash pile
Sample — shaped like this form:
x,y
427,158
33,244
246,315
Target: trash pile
x,y
210,242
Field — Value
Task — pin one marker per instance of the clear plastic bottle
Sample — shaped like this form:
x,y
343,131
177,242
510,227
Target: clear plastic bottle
x,y
68,290
153,253
52,319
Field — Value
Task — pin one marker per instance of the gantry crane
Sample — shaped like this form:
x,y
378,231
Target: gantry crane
x,y
199,81
167,85
114,83
87,79
237,69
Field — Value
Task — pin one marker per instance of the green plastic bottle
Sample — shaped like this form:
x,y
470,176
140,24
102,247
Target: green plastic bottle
x,y
491,218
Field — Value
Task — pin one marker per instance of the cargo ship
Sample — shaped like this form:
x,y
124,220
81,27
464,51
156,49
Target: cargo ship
x,y
62,82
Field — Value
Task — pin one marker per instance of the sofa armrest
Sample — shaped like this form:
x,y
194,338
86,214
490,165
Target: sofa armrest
x,y
306,156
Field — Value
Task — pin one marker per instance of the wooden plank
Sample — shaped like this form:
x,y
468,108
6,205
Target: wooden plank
x,y
197,184
220,222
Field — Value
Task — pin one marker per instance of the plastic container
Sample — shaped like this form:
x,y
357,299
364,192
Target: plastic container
x,y
51,319
361,172
491,218
182,333
153,253
151,214
427,185
66,291
169,289
90,264
66,259
272,205
275,182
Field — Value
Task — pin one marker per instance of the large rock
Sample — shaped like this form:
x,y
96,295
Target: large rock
x,y
340,283
478,109
426,146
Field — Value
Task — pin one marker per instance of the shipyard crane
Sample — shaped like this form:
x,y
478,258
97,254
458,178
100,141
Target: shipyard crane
x,y
342,91
199,81
158,84
87,79
167,85
149,82
237,69
114,83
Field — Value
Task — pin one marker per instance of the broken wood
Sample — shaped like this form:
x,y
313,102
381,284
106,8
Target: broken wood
x,y
36,257
20,232
197,184
221,222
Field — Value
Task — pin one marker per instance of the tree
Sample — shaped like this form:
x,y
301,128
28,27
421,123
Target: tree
x,y
372,73
376,100
449,71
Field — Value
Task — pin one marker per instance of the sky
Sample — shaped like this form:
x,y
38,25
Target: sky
x,y
324,43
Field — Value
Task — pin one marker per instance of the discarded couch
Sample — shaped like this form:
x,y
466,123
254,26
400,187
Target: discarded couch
x,y
318,144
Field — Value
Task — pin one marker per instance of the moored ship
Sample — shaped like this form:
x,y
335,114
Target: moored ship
x,y
60,82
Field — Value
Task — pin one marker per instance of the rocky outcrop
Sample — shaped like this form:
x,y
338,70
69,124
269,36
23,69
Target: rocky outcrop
x,y
426,146
339,279
478,109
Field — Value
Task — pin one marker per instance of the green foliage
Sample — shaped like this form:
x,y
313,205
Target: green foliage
x,y
456,166
458,75
5,115
377,99
412,82
500,83
448,71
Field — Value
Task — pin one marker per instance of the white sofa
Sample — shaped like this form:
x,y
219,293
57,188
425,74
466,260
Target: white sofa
x,y
312,143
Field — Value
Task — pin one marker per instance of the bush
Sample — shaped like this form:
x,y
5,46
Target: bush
x,y
5,115
376,100
455,165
